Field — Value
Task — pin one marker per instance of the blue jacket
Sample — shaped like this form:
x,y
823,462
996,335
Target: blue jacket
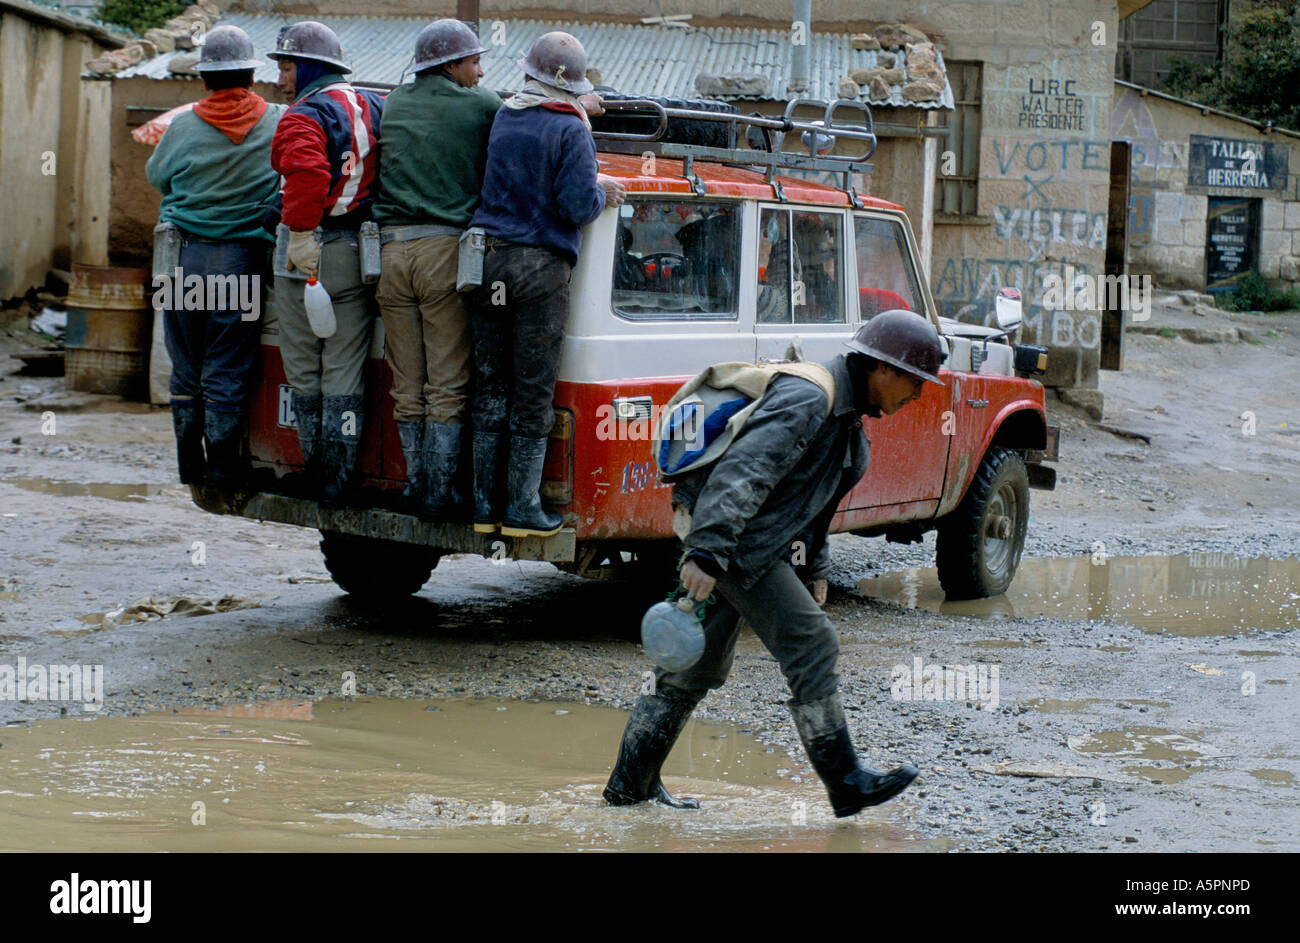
x,y
540,187
780,481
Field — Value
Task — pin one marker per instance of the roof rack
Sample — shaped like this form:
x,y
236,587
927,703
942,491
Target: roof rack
x,y
772,131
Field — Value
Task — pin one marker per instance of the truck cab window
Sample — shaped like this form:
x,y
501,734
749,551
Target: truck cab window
x,y
800,278
885,277
676,260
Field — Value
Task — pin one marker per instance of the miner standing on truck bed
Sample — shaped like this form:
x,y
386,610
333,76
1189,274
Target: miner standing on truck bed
x,y
540,188
775,489
435,133
213,169
326,147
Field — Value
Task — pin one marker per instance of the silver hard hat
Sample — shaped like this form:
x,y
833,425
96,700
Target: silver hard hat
x,y
226,49
443,41
310,40
558,59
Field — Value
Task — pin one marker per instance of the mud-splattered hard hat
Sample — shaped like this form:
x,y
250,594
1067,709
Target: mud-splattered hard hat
x,y
558,59
226,49
445,40
312,41
902,339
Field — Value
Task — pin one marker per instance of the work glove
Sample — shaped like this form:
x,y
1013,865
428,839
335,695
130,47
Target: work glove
x,y
304,252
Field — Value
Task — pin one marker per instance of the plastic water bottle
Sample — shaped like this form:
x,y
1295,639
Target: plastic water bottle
x,y
320,310
672,634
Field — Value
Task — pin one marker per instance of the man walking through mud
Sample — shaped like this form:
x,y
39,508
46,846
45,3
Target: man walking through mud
x,y
764,506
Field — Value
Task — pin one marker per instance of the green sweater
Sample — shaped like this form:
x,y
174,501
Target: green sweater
x,y
212,187
435,136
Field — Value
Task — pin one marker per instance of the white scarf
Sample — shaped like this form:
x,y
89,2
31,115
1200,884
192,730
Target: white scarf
x,y
535,93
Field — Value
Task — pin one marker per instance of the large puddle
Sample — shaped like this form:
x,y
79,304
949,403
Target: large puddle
x,y
1192,594
375,774
84,489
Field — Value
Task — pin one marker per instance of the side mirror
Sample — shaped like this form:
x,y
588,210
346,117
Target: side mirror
x,y
1007,309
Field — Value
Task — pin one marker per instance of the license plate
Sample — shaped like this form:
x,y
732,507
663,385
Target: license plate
x,y
284,411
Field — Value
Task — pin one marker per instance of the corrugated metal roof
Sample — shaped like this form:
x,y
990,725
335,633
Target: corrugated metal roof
x,y
642,60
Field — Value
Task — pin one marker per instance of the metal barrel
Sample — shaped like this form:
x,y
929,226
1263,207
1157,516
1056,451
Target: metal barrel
x,y
110,326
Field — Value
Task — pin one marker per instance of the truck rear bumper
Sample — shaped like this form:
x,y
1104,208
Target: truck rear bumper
x,y
402,528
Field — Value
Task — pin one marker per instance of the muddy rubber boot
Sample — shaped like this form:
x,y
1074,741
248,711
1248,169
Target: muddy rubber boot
x,y
187,423
850,785
226,475
341,421
306,413
412,436
489,455
657,721
524,515
441,456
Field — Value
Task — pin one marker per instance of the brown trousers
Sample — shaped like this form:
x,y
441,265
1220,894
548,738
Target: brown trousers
x,y
426,330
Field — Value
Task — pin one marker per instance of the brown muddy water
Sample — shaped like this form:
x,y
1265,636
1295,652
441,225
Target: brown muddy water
x,y
373,774
82,489
1195,594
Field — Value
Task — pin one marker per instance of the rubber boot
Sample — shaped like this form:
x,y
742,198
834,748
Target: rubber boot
x,y
341,421
489,455
441,456
187,423
657,721
306,412
412,436
524,515
224,434
850,785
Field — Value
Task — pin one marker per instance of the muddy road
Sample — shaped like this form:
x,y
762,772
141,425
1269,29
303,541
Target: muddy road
x,y
1137,686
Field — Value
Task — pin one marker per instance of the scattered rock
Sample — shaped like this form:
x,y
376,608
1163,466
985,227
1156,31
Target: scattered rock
x,y
864,41
732,83
923,63
1090,401
162,40
183,65
922,91
886,59
878,91
898,35
849,89
888,76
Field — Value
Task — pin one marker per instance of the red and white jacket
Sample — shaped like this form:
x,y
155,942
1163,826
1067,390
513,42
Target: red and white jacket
x,y
326,147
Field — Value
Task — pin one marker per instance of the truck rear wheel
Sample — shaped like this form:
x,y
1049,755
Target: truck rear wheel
x,y
979,543
374,569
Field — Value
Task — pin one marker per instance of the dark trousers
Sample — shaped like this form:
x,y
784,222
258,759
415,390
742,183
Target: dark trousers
x,y
518,317
212,349
786,619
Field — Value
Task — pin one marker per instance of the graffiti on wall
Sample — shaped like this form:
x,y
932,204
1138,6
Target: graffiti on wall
x,y
1052,104
1132,121
966,289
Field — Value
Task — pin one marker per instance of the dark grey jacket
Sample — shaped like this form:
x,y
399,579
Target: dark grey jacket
x,y
780,481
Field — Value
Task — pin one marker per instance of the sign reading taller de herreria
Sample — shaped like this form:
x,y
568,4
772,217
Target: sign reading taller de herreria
x,y
1228,162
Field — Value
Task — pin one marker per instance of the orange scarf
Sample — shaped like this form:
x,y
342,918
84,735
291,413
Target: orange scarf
x,y
232,111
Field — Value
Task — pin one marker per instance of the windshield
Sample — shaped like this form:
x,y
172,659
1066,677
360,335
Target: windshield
x,y
676,260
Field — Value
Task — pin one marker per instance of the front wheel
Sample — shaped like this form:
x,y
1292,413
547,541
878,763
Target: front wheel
x,y
374,569
979,543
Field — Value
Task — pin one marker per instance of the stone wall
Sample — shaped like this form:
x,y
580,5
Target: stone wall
x,y
1167,213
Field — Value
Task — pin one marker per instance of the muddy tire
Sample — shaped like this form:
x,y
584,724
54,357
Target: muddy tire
x,y
979,543
377,569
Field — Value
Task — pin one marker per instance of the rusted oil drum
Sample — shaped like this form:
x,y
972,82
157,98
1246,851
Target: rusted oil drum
x,y
110,325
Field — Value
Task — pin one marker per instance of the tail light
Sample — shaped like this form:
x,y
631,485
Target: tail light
x,y
557,473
